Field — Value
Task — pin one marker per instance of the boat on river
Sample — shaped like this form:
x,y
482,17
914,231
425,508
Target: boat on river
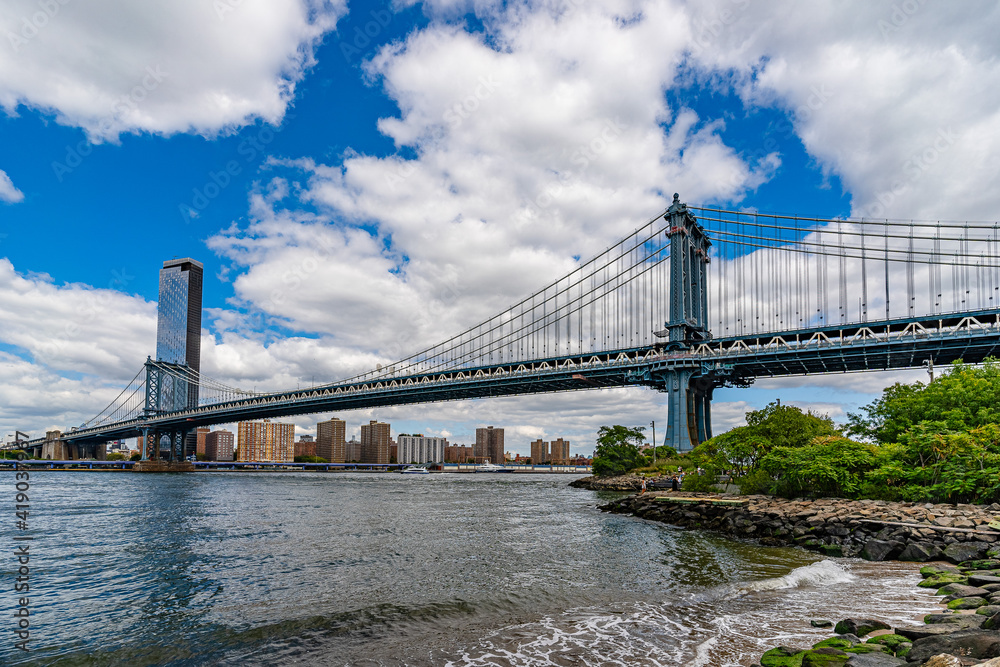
x,y
486,466
415,470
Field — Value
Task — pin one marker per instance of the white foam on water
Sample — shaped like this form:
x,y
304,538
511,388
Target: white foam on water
x,y
642,636
821,573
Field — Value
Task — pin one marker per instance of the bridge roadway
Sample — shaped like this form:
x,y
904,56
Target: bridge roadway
x,y
881,345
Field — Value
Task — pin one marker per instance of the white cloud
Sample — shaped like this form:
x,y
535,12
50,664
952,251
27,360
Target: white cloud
x,y
8,192
162,67
901,101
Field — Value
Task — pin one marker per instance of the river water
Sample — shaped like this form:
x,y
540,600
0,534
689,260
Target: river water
x,y
388,569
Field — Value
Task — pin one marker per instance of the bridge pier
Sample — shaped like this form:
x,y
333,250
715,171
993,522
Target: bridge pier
x,y
689,406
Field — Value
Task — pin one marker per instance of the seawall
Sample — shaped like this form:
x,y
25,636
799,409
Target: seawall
x,y
871,529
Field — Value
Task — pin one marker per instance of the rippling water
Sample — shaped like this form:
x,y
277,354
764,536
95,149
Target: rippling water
x,y
388,569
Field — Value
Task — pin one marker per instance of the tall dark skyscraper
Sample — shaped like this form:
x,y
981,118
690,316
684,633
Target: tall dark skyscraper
x,y
178,327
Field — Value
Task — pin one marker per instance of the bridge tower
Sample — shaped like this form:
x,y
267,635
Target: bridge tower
x,y
688,383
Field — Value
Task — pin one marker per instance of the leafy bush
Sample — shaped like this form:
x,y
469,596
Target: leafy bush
x,y
828,466
704,482
310,459
115,456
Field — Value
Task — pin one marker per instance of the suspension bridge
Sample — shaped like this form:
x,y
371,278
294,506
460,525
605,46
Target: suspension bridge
x,y
695,299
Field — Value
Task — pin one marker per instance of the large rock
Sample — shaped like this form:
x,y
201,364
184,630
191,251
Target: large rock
x,y
962,591
966,643
981,564
959,552
938,568
781,656
859,627
967,603
920,552
943,660
943,579
881,549
924,631
874,660
988,610
824,657
983,579
956,621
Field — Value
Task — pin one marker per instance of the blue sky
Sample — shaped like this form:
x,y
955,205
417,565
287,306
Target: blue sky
x,y
347,171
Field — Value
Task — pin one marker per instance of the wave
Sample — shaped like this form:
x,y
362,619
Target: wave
x,y
820,573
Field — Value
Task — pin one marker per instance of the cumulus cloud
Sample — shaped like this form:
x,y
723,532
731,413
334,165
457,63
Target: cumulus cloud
x,y
8,192
901,101
162,67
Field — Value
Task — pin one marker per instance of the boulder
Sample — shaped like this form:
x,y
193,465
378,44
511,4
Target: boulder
x,y
967,643
992,662
956,621
920,552
992,623
962,591
967,603
859,627
992,588
924,631
832,550
781,656
960,552
939,580
938,568
983,579
981,564
821,623
835,642
943,660
874,660
988,610
881,549
824,657
891,642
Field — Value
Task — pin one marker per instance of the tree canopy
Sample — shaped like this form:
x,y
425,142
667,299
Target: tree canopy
x,y
618,450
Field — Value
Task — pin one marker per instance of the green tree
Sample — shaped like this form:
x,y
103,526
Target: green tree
x,y
741,449
617,450
116,456
962,399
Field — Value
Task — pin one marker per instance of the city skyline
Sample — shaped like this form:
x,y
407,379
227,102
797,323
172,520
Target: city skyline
x,y
337,235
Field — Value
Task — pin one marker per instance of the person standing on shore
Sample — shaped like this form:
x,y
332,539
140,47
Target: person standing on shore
x,y
674,484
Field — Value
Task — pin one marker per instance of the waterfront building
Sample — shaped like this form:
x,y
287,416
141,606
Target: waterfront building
x,y
353,448
266,442
200,436
375,442
539,452
219,445
458,454
305,446
331,441
489,445
178,331
559,452
418,449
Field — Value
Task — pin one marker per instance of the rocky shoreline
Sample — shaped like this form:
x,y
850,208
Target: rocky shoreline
x,y
957,537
